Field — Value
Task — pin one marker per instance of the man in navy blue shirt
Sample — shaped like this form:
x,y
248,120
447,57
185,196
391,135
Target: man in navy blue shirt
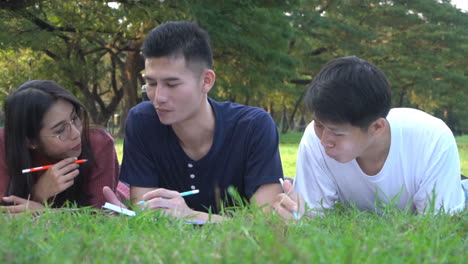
x,y
182,140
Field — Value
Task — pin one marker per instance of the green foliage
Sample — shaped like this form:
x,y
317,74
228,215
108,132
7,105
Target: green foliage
x,y
91,53
265,51
420,45
344,235
250,41
13,63
92,46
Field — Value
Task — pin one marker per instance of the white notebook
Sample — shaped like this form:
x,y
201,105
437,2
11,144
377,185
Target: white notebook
x,y
118,209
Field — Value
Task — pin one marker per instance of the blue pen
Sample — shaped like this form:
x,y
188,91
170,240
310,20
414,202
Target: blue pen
x,y
181,194
296,216
189,192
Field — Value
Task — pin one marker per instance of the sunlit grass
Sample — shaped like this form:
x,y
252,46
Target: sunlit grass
x,y
462,143
288,149
344,235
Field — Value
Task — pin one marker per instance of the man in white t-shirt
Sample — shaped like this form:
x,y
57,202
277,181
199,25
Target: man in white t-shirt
x,y
358,151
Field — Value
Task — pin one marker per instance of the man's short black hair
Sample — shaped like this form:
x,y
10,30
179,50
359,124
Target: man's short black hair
x,y
349,90
179,38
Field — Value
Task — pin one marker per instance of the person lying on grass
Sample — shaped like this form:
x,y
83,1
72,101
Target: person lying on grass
x,y
46,124
358,150
182,140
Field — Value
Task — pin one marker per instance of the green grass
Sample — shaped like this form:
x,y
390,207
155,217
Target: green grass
x,y
462,143
344,235
288,149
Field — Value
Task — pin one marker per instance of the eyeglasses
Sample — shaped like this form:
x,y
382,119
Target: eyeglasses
x,y
65,132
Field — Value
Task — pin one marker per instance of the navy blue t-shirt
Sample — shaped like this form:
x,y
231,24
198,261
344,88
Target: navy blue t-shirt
x,y
244,154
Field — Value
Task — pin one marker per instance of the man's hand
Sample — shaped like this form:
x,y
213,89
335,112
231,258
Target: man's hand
x,y
56,179
289,202
20,205
169,201
111,197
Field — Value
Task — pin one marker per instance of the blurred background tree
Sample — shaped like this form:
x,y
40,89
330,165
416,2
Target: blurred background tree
x,y
265,51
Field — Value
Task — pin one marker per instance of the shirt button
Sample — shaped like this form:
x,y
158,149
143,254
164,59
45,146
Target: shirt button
x,y
190,165
192,176
192,187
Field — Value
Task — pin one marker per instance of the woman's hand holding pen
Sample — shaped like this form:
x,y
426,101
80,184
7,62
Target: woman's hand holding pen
x,y
56,179
169,201
289,204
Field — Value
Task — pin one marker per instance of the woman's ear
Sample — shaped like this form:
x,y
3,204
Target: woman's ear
x,y
208,80
32,144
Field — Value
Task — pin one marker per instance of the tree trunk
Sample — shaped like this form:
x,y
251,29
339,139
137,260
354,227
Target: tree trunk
x,y
301,125
271,110
284,121
129,78
296,106
247,100
404,90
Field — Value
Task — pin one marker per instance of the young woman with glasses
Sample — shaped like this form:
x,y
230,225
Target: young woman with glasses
x,y
46,124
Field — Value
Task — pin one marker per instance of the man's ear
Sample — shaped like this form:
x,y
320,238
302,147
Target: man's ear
x,y
378,127
208,80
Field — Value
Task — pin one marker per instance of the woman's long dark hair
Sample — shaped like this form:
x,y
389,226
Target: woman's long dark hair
x,y
24,110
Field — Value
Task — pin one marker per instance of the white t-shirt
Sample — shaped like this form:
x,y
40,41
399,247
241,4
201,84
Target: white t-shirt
x,y
423,160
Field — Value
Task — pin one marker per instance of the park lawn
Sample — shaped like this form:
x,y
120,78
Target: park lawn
x,y
344,235
289,144
462,143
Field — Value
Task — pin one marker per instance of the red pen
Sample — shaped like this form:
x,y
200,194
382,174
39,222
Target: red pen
x,y
45,167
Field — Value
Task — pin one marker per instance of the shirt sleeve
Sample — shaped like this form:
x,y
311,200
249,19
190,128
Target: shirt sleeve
x,y
440,186
313,180
138,168
263,162
106,172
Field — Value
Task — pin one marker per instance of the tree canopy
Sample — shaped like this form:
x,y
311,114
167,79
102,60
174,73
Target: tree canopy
x,y
265,51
